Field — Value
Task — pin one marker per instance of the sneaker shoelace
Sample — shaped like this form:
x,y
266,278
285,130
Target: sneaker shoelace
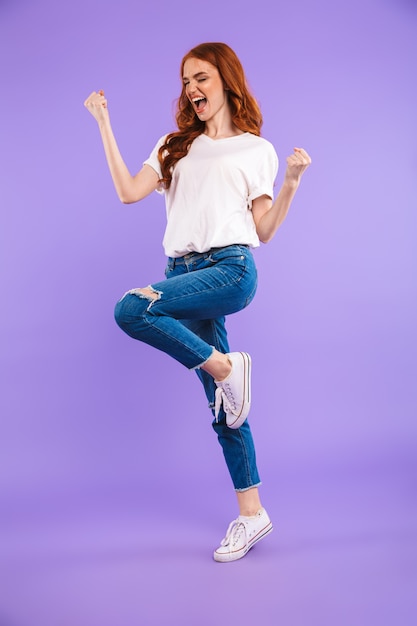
x,y
224,395
234,533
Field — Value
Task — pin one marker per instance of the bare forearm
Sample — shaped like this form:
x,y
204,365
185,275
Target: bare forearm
x,y
129,188
122,178
269,216
272,219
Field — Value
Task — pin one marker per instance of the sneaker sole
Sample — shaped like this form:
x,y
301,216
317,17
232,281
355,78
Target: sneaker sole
x,y
236,421
228,557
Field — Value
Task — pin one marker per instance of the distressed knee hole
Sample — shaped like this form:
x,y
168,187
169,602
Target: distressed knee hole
x,y
149,293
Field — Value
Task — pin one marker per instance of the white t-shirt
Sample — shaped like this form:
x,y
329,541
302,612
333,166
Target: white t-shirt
x,y
209,201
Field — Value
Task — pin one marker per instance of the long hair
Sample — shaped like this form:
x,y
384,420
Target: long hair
x,y
246,115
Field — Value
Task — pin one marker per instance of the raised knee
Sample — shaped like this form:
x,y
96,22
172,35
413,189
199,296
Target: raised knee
x,y
120,313
128,308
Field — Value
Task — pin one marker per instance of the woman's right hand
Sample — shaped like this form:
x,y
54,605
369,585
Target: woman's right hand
x,y
96,103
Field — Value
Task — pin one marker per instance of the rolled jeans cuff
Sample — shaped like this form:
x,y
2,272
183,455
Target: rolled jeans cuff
x,y
197,367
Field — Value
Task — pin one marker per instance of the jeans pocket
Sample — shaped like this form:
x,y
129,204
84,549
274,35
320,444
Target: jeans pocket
x,y
237,265
234,253
169,268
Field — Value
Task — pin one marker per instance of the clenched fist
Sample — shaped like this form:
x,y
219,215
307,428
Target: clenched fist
x,y
96,103
297,163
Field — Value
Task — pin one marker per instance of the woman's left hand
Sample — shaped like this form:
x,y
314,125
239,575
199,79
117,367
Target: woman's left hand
x,y
297,163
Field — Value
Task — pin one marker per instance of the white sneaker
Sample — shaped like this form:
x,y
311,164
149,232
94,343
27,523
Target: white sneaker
x,y
242,535
234,391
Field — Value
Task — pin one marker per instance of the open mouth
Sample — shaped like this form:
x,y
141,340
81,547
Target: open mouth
x,y
199,104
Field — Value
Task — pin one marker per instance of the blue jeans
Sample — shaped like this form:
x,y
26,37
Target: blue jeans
x,y
187,321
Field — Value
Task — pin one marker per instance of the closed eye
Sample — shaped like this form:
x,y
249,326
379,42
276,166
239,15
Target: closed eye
x,y
200,77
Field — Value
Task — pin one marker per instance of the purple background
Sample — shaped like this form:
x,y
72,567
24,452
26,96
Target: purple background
x,y
113,490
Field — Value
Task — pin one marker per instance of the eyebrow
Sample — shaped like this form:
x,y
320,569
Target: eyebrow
x,y
196,75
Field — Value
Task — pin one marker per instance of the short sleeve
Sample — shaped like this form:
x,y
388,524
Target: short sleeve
x,y
153,161
265,171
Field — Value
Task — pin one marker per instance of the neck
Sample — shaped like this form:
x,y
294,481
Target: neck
x,y
223,133
221,127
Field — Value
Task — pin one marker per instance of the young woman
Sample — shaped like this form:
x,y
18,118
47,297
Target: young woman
x,y
217,175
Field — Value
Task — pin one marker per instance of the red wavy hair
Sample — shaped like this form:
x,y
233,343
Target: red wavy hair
x,y
246,115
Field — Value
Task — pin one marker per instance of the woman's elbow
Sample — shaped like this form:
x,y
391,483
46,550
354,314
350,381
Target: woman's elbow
x,y
265,237
126,198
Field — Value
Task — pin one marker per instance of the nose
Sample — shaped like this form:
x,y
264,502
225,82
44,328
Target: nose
x,y
191,87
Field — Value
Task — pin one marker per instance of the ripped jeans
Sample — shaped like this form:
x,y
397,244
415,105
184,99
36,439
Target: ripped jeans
x,y
186,320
